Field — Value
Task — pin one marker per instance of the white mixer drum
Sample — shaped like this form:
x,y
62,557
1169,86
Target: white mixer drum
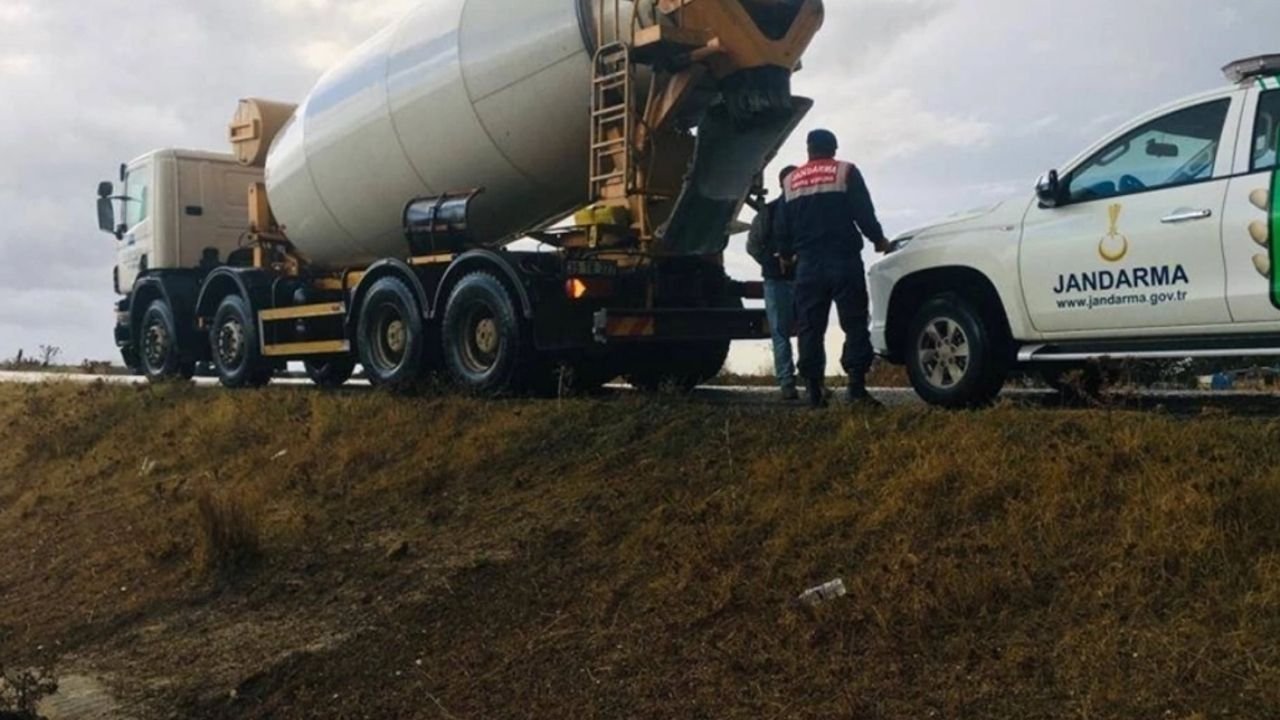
x,y
459,94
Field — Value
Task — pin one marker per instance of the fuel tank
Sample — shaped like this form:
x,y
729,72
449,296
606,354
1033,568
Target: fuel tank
x,y
456,95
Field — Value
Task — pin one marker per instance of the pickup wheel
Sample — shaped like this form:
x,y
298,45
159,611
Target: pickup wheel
x,y
953,355
392,336
486,345
159,356
330,373
237,352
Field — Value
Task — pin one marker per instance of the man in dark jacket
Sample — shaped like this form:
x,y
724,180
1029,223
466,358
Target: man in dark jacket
x,y
827,212
779,288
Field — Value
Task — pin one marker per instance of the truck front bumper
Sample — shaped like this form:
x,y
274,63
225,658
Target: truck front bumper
x,y
612,326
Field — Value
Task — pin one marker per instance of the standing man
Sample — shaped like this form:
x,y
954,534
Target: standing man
x,y
779,287
827,212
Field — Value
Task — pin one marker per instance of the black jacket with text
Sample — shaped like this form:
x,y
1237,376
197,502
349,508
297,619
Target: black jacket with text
x,y
827,212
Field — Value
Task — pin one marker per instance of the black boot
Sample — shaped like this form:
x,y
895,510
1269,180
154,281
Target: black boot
x,y
817,394
858,396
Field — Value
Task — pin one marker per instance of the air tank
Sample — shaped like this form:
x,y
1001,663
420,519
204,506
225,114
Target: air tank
x,y
457,95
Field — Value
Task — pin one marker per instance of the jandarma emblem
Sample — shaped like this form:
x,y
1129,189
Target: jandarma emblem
x,y
1114,246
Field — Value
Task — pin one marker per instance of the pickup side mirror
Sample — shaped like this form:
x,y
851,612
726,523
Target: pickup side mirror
x,y
1050,190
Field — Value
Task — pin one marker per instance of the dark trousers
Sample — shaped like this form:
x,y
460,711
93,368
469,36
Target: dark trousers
x,y
821,283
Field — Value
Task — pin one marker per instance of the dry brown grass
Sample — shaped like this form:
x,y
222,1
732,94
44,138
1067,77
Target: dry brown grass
x,y
636,559
229,540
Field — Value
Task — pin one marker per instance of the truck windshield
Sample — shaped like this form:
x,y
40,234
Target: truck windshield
x,y
137,196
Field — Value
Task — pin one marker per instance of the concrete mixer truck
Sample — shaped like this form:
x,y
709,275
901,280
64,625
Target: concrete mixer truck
x,y
521,195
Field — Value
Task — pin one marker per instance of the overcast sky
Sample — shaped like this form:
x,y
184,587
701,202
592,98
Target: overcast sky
x,y
946,104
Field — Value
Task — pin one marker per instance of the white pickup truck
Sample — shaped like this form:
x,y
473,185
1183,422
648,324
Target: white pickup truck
x,y
1157,242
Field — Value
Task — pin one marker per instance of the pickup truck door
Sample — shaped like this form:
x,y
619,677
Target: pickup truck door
x,y
1136,243
1244,222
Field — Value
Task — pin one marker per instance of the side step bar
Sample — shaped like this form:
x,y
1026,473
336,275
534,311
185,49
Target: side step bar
x,y
1227,347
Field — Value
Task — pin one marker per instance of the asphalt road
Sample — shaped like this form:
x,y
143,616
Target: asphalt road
x,y
1171,401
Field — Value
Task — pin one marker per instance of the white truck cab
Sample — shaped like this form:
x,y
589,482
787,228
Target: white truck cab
x,y
175,211
1156,242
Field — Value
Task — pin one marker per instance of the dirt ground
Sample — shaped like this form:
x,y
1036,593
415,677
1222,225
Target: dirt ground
x,y
293,554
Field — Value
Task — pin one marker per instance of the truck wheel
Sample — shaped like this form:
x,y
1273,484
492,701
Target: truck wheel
x,y
331,373
159,356
953,358
681,368
486,347
391,336
237,352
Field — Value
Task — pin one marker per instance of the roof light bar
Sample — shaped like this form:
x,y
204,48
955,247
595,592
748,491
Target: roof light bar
x,y
1254,67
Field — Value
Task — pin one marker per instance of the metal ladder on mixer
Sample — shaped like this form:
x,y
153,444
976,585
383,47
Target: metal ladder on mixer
x,y
612,109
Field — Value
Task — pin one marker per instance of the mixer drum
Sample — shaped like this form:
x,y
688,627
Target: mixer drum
x,y
457,95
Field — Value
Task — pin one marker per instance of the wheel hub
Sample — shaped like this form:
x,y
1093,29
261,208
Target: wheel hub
x,y
157,342
231,343
944,353
396,337
487,336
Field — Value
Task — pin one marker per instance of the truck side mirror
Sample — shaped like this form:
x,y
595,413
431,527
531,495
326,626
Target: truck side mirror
x,y
107,217
1049,189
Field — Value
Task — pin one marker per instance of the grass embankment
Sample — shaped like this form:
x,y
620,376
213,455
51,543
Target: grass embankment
x,y
292,554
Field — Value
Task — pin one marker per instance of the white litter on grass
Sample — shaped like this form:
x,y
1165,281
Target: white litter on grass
x,y
825,593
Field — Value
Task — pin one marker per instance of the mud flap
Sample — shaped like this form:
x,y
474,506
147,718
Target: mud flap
x,y
727,160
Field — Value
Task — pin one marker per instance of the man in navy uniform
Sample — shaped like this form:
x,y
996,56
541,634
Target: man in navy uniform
x,y
779,288
827,212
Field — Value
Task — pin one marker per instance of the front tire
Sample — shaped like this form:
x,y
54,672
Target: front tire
x,y
954,356
159,355
487,348
392,336
236,347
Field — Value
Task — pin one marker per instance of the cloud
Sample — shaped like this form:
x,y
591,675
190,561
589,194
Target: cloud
x,y
17,64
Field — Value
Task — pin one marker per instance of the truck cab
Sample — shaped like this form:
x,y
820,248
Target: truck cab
x,y
175,215
1155,242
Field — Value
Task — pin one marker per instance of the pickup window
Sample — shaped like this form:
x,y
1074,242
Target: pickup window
x,y
1266,130
1177,149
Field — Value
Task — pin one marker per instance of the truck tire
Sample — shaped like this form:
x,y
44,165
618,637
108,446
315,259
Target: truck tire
x,y
391,336
159,355
236,347
488,350
331,373
680,367
953,354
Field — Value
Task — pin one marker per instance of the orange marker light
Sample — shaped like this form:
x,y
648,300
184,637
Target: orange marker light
x,y
576,289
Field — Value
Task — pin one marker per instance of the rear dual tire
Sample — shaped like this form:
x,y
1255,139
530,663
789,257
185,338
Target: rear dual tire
x,y
488,346
391,336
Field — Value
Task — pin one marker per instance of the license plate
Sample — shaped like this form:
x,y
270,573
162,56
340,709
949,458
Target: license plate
x,y
588,268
